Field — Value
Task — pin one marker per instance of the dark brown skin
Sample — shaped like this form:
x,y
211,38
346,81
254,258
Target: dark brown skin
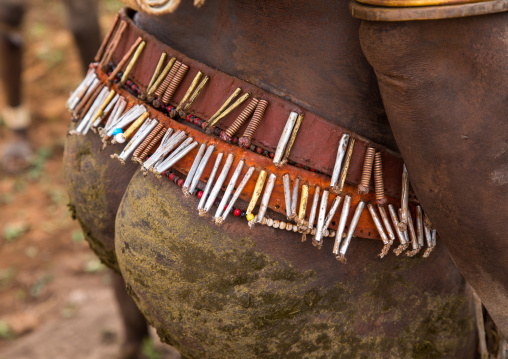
x,y
96,184
136,327
444,88
229,291
304,51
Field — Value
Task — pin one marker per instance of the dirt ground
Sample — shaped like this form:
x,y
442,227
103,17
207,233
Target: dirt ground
x,y
55,296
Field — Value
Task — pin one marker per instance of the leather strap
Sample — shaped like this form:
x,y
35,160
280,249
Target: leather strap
x,y
315,146
415,3
317,141
402,10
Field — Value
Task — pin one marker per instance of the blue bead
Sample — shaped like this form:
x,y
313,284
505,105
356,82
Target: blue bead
x,y
117,131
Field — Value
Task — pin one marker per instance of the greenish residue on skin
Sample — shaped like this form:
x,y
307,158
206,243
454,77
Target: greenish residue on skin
x,y
211,294
86,177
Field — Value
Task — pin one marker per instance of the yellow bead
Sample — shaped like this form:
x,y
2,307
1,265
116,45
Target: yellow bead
x,y
250,217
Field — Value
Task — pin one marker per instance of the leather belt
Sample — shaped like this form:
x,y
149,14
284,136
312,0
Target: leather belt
x,y
317,140
315,146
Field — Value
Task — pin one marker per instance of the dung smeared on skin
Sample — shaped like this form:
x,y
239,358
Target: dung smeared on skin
x,y
88,173
210,294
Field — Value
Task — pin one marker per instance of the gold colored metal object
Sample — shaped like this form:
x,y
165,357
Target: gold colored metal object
x,y
103,105
257,191
303,203
124,59
133,61
196,93
416,3
226,104
190,90
157,71
135,125
227,111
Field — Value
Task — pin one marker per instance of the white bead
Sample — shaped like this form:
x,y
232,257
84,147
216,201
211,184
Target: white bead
x,y
276,224
282,225
289,226
120,138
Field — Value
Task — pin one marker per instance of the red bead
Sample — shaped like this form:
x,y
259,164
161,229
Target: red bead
x,y
312,170
180,182
259,150
224,137
189,118
200,194
171,176
196,120
203,125
237,212
225,207
272,155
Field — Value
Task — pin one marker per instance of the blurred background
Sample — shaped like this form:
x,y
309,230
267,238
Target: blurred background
x,y
55,295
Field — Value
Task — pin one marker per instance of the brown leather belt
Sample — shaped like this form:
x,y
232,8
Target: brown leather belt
x,y
315,146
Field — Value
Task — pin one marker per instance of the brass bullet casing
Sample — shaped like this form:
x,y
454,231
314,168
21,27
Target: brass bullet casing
x,y
257,191
124,60
304,198
133,61
224,106
227,111
196,93
190,90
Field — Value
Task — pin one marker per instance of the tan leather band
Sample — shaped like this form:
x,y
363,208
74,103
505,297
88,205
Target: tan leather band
x,y
413,3
379,10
